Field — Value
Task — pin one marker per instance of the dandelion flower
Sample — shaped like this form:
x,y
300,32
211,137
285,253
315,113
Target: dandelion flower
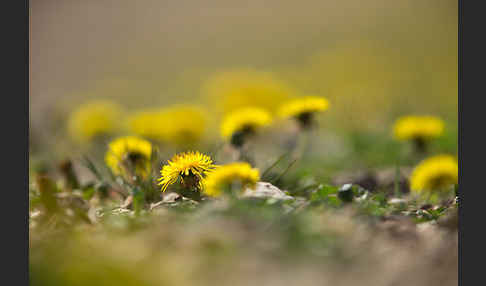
x,y
231,90
94,119
183,124
179,125
226,176
129,155
434,174
303,109
190,167
244,122
418,129
412,127
147,124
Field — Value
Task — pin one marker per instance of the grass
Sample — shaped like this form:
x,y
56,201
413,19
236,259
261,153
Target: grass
x,y
328,233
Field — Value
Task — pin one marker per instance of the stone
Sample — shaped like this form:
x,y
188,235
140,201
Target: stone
x,y
265,190
172,198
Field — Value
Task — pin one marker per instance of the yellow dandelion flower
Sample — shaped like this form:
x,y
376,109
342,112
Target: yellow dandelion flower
x,y
180,124
190,167
434,174
303,109
418,127
231,90
246,120
147,124
183,124
129,155
302,106
225,176
94,119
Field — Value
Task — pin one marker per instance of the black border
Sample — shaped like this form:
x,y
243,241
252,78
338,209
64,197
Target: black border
x,y
472,193
15,135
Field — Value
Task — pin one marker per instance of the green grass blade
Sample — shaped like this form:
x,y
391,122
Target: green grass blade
x,y
273,165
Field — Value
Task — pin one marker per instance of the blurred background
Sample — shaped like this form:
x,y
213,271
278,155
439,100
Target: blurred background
x,y
374,60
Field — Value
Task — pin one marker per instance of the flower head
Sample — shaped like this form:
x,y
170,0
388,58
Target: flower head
x,y
190,167
299,106
178,125
246,120
146,123
303,109
418,127
231,90
183,124
225,176
93,119
434,174
129,155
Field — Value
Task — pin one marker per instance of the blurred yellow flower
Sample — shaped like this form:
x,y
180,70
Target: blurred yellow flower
x,y
434,174
147,123
179,124
226,176
418,127
183,124
235,89
248,119
93,119
303,105
129,156
190,167
303,108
